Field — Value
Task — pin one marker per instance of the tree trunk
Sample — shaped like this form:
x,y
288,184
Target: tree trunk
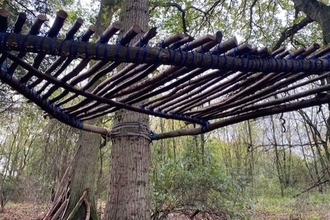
x,y
250,152
317,11
128,193
278,164
81,175
75,195
84,175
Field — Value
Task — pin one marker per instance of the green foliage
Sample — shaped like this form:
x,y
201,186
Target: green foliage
x,y
196,181
259,23
311,205
34,154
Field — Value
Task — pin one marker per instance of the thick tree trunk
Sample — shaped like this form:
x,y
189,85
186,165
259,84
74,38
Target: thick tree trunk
x,y
128,193
75,195
84,176
317,11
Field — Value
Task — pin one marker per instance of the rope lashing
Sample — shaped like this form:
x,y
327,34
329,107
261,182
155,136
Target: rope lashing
x,y
153,135
166,56
204,127
134,129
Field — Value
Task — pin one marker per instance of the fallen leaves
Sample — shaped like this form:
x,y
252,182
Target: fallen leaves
x,y
23,211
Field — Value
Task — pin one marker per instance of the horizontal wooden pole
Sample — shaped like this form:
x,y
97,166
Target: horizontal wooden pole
x,y
317,100
152,55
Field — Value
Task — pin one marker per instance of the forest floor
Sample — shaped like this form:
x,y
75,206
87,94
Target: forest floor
x,y
305,207
23,211
32,212
308,206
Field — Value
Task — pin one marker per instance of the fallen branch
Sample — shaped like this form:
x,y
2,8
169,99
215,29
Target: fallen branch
x,y
315,185
60,210
80,201
88,209
194,214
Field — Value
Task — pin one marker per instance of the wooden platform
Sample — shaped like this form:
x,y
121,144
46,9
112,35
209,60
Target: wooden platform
x,y
207,80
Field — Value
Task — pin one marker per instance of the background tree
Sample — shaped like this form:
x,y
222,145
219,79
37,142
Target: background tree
x,y
81,176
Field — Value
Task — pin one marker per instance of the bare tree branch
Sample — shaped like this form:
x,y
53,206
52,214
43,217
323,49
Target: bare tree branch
x,y
251,15
312,187
24,6
183,11
289,32
183,15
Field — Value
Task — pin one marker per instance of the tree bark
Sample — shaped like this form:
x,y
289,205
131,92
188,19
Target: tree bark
x,y
128,193
84,175
317,11
78,183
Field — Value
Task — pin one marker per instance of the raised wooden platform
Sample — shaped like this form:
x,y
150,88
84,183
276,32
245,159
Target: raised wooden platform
x,y
207,81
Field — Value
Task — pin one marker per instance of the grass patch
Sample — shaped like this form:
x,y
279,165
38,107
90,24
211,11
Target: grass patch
x,y
308,206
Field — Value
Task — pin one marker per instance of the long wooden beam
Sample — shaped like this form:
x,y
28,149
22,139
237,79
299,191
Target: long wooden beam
x,y
317,100
152,55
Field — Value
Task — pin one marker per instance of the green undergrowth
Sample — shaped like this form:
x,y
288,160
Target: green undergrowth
x,y
307,206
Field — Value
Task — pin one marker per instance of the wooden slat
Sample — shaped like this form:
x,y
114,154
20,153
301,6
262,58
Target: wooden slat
x,y
34,30
54,30
67,60
106,35
70,34
3,20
